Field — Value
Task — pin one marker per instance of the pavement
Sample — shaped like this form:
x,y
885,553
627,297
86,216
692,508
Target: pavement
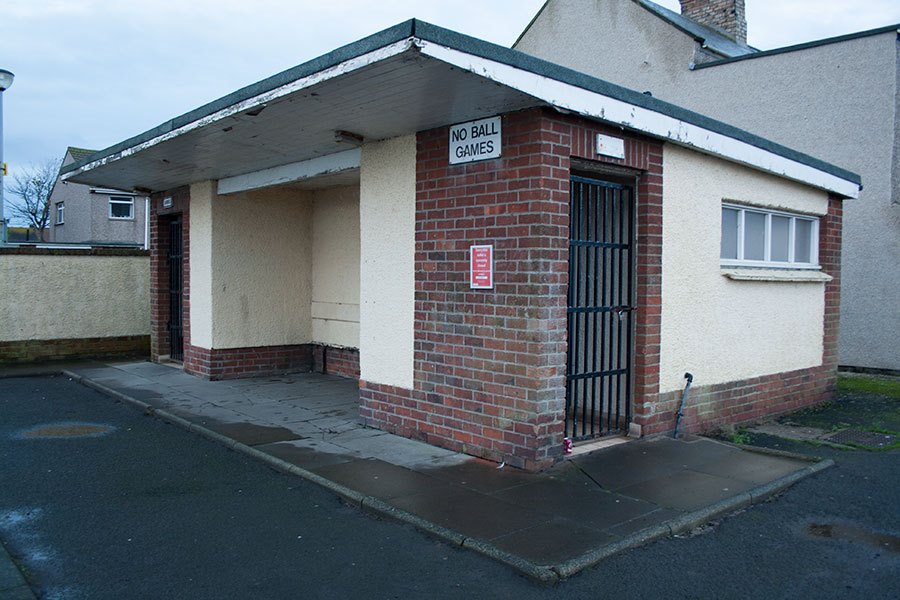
x,y
548,525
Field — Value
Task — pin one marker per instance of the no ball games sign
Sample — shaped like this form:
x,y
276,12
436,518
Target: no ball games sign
x,y
475,140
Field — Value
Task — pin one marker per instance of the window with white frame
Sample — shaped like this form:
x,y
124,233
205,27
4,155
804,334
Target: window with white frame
x,y
767,238
60,213
121,207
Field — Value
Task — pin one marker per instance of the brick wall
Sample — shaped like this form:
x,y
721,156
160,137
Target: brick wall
x,y
232,363
490,364
343,362
160,218
712,407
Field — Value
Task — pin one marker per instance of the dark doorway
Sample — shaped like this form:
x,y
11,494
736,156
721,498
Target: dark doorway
x,y
600,307
176,290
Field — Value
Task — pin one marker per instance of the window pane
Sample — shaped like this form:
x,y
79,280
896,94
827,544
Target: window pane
x,y
781,238
120,211
803,241
754,236
729,233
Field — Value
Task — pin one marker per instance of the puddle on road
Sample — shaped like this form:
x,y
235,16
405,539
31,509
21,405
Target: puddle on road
x,y
65,430
891,543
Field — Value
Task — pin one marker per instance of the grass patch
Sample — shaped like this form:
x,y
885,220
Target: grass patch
x,y
883,386
740,436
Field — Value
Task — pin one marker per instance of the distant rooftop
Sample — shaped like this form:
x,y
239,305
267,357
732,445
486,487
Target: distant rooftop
x,y
712,39
804,46
79,154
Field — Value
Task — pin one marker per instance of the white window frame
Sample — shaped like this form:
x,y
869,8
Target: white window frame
x,y
60,213
129,200
767,260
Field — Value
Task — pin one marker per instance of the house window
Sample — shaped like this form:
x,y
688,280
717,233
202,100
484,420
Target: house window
x,y
765,238
121,207
60,213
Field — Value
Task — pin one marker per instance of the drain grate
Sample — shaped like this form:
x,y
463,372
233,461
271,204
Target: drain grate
x,y
861,438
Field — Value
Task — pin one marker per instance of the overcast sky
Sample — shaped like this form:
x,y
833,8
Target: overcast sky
x,y
91,73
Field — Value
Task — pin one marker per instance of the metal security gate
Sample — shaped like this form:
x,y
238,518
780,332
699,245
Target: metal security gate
x,y
600,308
176,284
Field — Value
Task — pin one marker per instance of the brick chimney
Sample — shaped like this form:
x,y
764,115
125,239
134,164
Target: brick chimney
x,y
727,16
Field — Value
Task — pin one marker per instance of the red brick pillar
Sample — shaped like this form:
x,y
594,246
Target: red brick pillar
x,y
160,217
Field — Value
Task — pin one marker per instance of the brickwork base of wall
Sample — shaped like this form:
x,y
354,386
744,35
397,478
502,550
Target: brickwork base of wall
x,y
435,420
343,362
234,363
713,407
65,349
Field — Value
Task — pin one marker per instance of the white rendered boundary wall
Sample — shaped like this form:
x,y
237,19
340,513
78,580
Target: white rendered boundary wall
x,y
57,296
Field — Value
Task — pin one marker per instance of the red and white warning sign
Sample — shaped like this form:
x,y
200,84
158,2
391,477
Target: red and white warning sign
x,y
481,267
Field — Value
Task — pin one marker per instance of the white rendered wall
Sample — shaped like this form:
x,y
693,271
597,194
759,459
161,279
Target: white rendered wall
x,y
335,267
616,40
251,256
387,212
718,329
202,195
79,296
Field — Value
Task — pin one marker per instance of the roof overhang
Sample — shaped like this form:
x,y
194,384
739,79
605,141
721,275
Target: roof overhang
x,y
409,78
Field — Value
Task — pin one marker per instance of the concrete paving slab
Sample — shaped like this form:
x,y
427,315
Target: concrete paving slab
x,y
689,453
205,413
471,513
143,369
378,478
335,425
272,412
583,502
749,467
686,490
396,450
253,434
358,433
553,542
480,475
656,518
308,454
615,469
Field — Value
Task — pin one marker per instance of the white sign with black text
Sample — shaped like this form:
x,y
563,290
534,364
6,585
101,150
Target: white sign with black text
x,y
475,140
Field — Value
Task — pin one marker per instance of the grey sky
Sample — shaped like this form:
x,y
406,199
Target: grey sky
x,y
91,73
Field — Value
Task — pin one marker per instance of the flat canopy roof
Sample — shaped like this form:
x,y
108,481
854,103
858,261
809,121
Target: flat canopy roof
x,y
411,77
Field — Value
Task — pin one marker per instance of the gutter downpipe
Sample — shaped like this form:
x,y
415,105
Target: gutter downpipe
x,y
687,388
147,223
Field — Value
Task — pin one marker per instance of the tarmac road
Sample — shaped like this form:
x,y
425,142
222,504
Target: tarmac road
x,y
146,510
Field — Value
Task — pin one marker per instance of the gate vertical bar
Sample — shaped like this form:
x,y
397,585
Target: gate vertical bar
x,y
631,301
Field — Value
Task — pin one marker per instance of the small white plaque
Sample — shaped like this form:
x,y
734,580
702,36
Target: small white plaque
x,y
167,202
610,146
475,140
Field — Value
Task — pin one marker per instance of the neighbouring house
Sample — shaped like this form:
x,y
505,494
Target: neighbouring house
x,y
505,252
837,99
91,215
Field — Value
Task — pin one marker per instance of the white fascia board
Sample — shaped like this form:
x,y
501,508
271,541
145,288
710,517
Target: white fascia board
x,y
338,70
298,171
112,192
592,104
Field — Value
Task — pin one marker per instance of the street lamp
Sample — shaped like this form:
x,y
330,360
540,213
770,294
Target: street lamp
x,y
6,79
